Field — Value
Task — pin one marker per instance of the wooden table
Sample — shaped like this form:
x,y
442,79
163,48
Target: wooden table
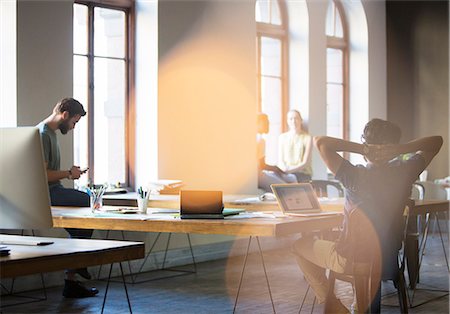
x,y
66,254
64,217
76,217
414,250
255,227
430,206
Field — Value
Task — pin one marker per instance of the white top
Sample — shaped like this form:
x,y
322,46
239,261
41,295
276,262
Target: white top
x,y
292,147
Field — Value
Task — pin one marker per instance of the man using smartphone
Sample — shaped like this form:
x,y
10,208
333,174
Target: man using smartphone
x,y
64,118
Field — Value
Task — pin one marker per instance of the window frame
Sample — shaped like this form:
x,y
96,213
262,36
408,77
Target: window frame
x,y
277,32
342,44
127,6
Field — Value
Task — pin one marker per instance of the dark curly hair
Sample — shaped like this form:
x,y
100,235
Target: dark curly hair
x,y
378,131
72,106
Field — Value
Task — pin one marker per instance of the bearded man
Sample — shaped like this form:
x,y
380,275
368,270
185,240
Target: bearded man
x,y
64,118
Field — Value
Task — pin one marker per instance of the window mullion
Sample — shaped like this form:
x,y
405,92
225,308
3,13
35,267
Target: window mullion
x,y
91,92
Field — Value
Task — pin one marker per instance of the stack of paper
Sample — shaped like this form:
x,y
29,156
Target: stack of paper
x,y
166,186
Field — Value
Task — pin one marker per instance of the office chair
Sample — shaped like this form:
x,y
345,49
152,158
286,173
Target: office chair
x,y
367,268
321,187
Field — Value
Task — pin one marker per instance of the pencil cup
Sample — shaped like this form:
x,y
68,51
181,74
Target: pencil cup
x,y
142,204
96,202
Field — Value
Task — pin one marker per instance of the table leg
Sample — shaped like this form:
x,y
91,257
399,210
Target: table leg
x,y
421,252
265,274
107,287
442,239
124,286
243,270
242,274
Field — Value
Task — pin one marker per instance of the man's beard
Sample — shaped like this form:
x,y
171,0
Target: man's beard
x,y
64,127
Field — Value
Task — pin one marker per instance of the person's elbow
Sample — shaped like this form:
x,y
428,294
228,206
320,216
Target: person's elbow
x,y
318,141
439,142
435,144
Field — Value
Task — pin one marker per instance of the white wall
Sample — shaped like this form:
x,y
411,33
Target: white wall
x,y
44,63
376,27
146,83
207,94
317,119
8,75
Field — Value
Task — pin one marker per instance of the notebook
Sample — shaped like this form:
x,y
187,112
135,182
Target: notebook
x,y
298,199
204,205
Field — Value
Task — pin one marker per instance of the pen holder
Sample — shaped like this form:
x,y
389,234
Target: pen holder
x,y
96,196
96,202
142,204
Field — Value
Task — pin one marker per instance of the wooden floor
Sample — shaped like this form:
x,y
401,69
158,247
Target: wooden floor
x,y
213,289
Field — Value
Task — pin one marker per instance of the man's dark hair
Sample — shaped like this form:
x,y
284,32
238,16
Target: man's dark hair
x,y
72,106
378,131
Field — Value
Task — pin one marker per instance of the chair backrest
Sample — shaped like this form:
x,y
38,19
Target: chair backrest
x,y
418,191
363,240
372,259
327,188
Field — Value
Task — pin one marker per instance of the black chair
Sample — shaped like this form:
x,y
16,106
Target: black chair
x,y
321,187
368,268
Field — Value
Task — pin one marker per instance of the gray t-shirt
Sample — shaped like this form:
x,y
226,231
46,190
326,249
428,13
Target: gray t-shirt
x,y
51,148
381,193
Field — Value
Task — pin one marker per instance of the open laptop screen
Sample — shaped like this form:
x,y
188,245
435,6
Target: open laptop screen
x,y
296,198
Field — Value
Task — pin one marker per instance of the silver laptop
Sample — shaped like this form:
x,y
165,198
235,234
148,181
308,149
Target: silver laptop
x,y
298,199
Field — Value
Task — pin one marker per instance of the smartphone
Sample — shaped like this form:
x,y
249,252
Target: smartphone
x,y
84,170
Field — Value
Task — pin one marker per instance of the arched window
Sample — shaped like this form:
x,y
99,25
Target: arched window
x,y
271,26
337,71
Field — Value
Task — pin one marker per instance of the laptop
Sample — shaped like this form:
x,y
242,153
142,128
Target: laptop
x,y
298,199
204,205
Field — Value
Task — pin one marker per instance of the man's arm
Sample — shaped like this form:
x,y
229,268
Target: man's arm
x,y
428,147
56,175
329,147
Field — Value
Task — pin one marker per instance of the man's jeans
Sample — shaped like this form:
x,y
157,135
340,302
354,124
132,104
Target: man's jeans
x,y
61,196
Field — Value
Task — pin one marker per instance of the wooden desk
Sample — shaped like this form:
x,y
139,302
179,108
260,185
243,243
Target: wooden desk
x,y
64,217
422,207
66,254
67,217
413,249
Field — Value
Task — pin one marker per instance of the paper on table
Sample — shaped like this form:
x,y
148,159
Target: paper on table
x,y
162,216
133,216
252,215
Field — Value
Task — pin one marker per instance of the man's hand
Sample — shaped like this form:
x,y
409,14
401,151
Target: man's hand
x,y
76,172
380,154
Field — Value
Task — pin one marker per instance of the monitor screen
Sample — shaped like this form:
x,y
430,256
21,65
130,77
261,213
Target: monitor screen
x,y
24,196
295,199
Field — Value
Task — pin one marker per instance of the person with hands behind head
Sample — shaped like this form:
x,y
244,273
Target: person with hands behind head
x,y
379,190
64,117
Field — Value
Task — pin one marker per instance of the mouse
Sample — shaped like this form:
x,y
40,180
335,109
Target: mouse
x,y
267,197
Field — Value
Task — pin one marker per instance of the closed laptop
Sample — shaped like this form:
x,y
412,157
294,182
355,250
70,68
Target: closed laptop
x,y
196,204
